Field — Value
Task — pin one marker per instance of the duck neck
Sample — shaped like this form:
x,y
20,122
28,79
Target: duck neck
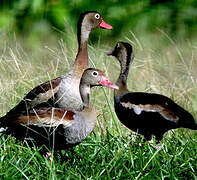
x,y
82,57
82,54
85,94
122,79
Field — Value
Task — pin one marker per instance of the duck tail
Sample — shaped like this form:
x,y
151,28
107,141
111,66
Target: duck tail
x,y
193,127
3,127
189,124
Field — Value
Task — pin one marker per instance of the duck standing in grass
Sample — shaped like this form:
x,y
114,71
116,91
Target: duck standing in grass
x,y
58,105
145,113
58,128
63,92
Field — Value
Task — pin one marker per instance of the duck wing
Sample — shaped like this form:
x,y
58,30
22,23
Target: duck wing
x,y
42,95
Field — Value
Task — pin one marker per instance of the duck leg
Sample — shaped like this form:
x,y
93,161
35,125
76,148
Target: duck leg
x,y
158,140
147,137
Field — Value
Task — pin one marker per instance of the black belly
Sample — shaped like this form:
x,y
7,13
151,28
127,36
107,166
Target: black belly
x,y
145,123
51,137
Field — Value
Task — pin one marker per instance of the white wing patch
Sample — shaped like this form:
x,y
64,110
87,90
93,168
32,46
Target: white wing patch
x,y
137,110
50,122
167,114
45,120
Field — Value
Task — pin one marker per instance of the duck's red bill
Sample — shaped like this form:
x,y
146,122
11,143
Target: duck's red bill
x,y
105,25
106,82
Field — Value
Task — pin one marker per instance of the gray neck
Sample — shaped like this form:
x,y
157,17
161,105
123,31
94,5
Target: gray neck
x,y
85,93
84,33
84,37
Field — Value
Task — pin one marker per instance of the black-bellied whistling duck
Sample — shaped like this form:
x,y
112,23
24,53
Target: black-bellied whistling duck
x,y
63,91
145,113
58,128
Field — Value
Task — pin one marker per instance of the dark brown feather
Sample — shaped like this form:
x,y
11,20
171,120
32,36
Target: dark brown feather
x,y
36,96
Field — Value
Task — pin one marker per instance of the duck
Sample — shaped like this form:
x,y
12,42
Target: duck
x,y
68,90
63,91
148,114
58,128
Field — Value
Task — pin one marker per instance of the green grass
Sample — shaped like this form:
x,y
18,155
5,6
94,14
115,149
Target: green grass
x,y
161,65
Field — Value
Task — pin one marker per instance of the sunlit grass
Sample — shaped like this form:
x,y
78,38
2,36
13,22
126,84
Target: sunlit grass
x,y
161,65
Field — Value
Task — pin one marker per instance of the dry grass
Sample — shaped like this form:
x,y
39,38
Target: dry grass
x,y
161,65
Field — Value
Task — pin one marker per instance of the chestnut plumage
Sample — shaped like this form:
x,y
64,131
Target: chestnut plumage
x,y
145,113
57,128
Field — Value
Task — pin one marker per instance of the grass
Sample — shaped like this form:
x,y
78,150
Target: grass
x,y
161,65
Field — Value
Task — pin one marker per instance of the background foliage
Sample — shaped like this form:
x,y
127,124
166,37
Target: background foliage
x,y
177,18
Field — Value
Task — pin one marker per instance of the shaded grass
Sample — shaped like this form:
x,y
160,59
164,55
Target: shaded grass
x,y
110,152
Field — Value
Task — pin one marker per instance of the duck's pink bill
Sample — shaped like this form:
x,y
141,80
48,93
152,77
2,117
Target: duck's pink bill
x,y
110,53
105,82
105,25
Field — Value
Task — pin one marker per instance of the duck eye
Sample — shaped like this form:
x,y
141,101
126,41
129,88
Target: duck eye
x,y
97,16
95,73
